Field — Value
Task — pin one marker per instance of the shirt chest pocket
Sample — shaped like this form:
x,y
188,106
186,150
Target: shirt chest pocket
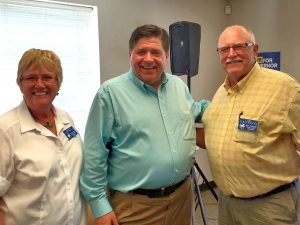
x,y
186,124
246,130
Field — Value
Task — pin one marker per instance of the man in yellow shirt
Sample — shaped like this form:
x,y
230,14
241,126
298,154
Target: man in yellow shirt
x,y
252,134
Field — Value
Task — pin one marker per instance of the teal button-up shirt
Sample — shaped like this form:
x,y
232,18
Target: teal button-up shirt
x,y
136,137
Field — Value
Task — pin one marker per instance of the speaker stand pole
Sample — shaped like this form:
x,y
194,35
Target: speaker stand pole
x,y
189,82
199,198
193,173
205,179
195,162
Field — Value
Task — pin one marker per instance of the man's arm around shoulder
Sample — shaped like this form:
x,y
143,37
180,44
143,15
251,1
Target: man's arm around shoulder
x,y
200,140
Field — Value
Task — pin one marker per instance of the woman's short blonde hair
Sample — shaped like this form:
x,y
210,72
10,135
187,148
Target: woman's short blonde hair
x,y
40,58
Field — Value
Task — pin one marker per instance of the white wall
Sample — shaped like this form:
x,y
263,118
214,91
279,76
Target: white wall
x,y
275,24
118,18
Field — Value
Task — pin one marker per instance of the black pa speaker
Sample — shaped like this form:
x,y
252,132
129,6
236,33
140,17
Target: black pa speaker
x,y
184,47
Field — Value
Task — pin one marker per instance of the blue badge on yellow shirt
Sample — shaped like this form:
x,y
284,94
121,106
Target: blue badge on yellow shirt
x,y
70,132
248,125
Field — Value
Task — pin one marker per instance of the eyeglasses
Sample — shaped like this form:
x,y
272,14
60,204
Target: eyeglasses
x,y
32,79
238,48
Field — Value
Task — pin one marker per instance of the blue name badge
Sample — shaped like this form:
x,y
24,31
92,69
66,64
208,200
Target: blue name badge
x,y
248,125
70,132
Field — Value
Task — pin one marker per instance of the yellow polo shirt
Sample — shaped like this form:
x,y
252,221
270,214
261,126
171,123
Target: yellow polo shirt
x,y
252,133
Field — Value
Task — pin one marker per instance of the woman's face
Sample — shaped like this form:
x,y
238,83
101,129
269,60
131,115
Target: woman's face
x,y
39,87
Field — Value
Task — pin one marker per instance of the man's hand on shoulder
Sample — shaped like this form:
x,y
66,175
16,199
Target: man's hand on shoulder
x,y
107,219
200,139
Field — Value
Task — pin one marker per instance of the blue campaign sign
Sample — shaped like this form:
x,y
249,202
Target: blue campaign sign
x,y
269,60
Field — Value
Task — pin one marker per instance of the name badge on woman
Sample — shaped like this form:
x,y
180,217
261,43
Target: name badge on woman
x,y
70,132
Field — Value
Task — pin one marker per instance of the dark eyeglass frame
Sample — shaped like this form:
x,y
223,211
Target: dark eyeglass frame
x,y
237,48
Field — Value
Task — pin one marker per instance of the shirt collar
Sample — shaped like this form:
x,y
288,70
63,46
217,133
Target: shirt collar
x,y
26,120
142,84
242,83
28,123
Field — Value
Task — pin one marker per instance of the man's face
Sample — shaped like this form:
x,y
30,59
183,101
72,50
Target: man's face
x,y
240,58
148,60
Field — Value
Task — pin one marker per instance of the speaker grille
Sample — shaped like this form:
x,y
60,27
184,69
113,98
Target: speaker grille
x,y
184,48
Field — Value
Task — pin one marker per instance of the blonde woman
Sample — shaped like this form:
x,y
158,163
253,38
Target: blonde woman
x,y
40,150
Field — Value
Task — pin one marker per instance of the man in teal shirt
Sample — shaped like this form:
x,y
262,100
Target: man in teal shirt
x,y
140,140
